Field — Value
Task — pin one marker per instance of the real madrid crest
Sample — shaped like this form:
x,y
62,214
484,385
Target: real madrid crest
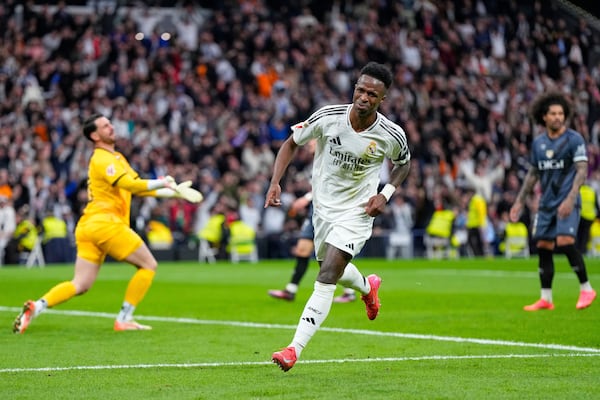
x,y
549,153
371,148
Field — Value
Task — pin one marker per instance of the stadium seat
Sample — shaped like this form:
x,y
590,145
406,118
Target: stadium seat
x,y
209,238
159,236
206,253
516,247
399,246
516,240
35,256
242,243
438,235
439,247
594,243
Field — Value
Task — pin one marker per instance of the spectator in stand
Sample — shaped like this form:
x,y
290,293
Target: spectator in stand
x,y
24,237
401,238
8,224
589,212
5,186
476,223
181,220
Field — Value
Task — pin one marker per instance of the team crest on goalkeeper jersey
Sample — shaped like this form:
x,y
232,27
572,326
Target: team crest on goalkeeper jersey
x,y
110,170
549,153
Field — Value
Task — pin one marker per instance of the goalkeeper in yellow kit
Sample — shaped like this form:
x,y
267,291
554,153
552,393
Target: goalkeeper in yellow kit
x,y
103,229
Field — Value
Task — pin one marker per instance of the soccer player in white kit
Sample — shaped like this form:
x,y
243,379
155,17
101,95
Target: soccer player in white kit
x,y
353,143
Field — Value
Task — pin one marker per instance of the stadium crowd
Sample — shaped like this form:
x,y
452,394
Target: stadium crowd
x,y
208,94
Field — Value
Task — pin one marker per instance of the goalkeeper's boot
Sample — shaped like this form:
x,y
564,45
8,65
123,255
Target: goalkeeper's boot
x,y
282,294
372,299
130,326
586,297
24,318
541,304
285,358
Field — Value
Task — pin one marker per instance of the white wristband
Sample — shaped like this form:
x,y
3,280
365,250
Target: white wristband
x,y
165,192
387,191
154,184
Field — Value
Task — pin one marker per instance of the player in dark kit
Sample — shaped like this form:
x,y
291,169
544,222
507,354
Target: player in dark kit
x,y
559,162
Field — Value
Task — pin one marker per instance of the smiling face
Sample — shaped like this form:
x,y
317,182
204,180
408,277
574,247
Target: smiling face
x,y
368,94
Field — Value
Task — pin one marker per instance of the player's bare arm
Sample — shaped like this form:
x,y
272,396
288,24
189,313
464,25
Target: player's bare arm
x,y
399,174
376,204
566,207
528,184
531,179
284,156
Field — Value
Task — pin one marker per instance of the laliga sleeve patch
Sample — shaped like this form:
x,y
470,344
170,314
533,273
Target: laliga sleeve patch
x,y
110,170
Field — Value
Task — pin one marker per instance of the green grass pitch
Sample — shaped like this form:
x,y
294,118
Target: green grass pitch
x,y
451,329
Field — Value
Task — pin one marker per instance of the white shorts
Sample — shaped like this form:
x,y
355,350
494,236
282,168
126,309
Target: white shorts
x,y
348,234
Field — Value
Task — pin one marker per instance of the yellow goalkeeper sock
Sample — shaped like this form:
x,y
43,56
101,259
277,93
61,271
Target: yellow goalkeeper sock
x,y
138,286
60,293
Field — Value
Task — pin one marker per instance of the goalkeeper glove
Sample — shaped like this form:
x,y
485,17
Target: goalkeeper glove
x,y
184,191
167,182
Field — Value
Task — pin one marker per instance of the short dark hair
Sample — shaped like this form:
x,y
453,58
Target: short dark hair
x,y
89,125
541,105
379,72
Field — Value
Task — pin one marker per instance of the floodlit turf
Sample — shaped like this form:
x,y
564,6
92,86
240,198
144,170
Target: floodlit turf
x,y
446,330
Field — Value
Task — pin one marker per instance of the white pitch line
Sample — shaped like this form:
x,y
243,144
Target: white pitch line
x,y
491,273
491,342
254,363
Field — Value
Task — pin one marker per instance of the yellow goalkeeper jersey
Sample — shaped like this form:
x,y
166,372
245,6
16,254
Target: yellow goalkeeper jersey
x,y
105,171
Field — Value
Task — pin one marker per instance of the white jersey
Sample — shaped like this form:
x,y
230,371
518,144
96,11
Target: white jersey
x,y
347,163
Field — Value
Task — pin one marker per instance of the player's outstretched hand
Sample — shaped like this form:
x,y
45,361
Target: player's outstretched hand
x,y
169,182
186,192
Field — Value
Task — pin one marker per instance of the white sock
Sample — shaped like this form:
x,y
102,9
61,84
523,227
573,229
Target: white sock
x,y
547,295
586,286
40,306
126,313
352,278
291,287
348,291
315,311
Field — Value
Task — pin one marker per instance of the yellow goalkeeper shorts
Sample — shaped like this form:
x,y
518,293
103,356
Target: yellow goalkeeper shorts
x,y
100,235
